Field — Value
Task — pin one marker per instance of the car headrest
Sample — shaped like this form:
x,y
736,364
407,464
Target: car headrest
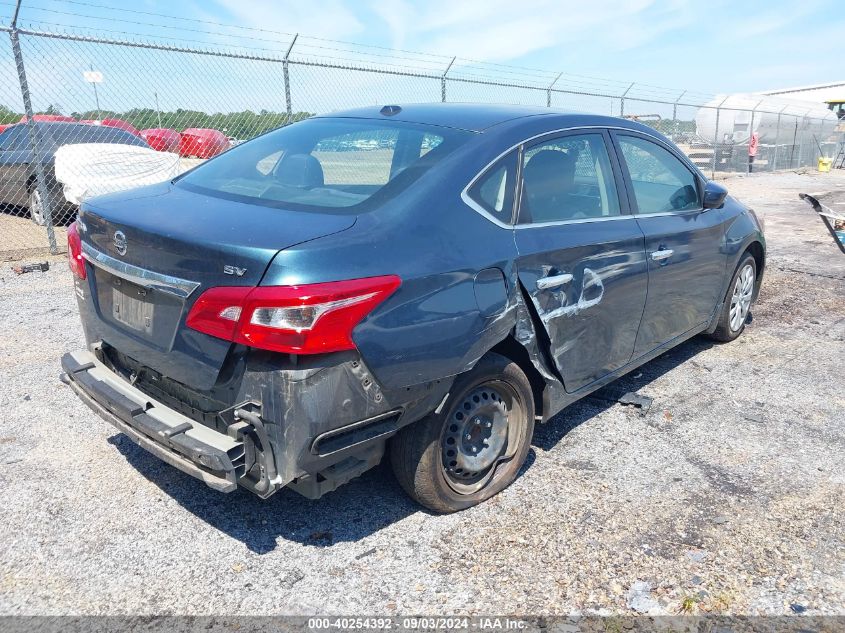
x,y
548,170
300,170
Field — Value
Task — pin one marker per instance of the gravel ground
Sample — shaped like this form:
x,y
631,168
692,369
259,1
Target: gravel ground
x,y
725,496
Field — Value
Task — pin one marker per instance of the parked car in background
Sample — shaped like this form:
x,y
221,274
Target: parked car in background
x,y
202,143
118,123
425,281
162,139
49,118
18,176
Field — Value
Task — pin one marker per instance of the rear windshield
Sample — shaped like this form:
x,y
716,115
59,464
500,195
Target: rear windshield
x,y
326,163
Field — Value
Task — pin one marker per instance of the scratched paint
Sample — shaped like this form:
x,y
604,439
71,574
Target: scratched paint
x,y
589,281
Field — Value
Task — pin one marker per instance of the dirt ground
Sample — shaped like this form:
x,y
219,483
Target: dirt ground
x,y
725,496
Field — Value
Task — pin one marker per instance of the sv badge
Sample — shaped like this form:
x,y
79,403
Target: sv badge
x,y
234,270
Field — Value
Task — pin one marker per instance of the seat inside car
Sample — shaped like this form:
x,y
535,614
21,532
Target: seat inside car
x,y
550,189
299,170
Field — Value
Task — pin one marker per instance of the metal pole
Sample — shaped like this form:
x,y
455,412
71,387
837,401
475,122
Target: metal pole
x,y
801,138
286,73
622,100
96,97
40,181
716,138
794,137
675,111
777,139
158,109
549,91
443,80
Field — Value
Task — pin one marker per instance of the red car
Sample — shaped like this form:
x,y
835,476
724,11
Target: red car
x,y
118,123
203,142
162,139
50,118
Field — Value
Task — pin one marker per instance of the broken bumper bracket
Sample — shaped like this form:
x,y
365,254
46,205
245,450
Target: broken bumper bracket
x,y
199,451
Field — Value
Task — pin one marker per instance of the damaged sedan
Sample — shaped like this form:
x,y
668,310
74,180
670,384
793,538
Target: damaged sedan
x,y
422,283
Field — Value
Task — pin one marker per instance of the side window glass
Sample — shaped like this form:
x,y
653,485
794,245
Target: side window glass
x,y
568,178
661,182
494,191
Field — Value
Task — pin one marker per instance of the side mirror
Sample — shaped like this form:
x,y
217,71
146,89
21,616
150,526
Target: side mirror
x,y
714,195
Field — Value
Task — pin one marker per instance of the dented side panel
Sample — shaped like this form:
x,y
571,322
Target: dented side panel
x,y
587,282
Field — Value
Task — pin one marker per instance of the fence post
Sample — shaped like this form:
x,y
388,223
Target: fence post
x,y
40,181
286,73
801,141
549,91
443,80
777,139
794,139
716,138
622,100
675,112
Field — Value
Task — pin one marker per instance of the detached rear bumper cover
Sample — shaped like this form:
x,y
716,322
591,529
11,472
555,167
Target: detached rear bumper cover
x,y
189,446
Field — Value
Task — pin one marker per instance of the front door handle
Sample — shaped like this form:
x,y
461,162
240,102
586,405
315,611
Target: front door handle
x,y
554,281
663,253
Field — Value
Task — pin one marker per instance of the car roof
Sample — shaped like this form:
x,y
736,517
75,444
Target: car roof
x,y
475,117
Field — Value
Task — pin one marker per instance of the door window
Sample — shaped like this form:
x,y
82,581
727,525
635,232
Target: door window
x,y
660,181
568,178
494,191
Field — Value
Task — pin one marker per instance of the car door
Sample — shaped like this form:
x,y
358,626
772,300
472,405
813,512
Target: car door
x,y
581,254
14,165
683,241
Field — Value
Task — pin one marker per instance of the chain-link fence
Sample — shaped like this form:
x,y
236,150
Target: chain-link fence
x,y
85,115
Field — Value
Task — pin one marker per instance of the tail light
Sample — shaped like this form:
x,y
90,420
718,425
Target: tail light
x,y
306,319
74,251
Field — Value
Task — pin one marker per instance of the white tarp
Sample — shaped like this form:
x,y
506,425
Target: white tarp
x,y
92,169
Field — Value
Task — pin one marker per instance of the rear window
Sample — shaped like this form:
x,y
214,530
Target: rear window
x,y
326,163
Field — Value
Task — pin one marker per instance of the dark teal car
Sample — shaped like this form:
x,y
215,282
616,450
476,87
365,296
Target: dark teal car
x,y
426,281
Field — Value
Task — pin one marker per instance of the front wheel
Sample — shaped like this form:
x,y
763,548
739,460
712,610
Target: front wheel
x,y
475,446
737,305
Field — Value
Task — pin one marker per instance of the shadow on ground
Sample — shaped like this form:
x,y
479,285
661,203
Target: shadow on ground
x,y
368,503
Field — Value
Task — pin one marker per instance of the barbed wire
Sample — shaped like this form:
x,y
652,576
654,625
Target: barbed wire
x,y
312,49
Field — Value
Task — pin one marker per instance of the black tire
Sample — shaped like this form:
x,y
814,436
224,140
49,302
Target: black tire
x,y
495,394
729,328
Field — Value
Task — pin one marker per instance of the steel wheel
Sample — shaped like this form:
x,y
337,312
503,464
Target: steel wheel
x,y
36,207
474,443
741,298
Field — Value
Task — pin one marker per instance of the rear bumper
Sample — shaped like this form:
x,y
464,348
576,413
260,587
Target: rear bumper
x,y
199,451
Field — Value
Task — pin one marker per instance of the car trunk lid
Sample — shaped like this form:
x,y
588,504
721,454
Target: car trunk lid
x,y
154,250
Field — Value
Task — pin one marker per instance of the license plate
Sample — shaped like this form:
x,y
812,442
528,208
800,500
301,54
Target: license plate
x,y
131,307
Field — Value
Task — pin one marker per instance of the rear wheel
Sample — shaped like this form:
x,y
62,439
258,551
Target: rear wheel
x,y
737,302
475,446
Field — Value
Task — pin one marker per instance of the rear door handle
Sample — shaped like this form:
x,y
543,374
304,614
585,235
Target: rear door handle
x,y
664,253
553,281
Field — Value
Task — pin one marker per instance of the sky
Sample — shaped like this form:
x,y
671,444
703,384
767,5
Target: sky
x,y
702,47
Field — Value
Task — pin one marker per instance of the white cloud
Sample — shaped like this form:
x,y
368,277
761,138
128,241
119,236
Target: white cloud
x,y
331,19
503,30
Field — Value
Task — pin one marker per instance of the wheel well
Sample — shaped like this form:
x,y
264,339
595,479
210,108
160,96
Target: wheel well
x,y
513,350
30,182
756,251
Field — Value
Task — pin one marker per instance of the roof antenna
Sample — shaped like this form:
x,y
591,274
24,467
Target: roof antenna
x,y
390,110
